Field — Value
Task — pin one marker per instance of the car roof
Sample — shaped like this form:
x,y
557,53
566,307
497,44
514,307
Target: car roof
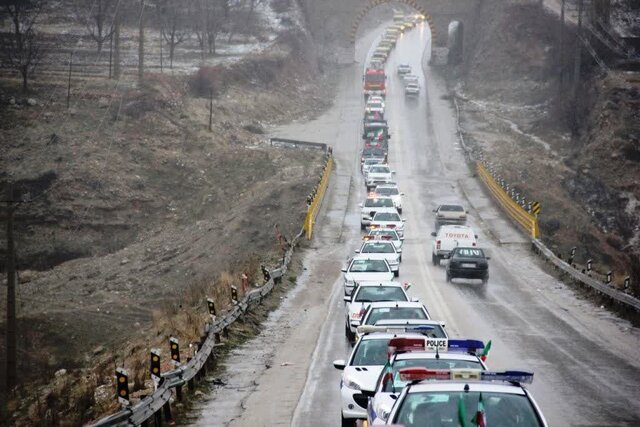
x,y
442,355
473,385
388,283
393,304
387,185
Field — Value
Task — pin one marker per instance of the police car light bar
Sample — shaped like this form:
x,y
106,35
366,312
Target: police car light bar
x,y
464,345
419,374
516,377
397,345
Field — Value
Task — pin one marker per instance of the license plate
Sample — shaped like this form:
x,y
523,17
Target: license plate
x,y
467,265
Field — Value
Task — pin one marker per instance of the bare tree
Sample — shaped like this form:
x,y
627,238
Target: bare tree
x,y
98,17
173,19
207,18
22,47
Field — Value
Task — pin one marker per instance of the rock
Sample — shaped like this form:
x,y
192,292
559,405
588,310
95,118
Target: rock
x,y
198,394
98,350
103,393
60,373
73,111
124,261
25,276
12,101
32,102
103,103
48,116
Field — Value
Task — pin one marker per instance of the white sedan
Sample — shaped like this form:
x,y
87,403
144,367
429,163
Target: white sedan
x,y
362,268
388,234
388,220
391,190
377,175
381,249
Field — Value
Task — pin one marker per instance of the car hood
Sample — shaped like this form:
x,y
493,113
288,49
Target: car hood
x,y
392,256
365,376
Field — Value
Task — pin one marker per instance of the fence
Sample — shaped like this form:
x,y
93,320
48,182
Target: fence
x,y
315,198
514,208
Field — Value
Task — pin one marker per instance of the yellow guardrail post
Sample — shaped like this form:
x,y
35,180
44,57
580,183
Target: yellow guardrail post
x,y
316,202
528,221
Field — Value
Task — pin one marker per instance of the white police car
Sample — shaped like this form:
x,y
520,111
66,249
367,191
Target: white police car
x,y
362,268
395,310
389,234
465,396
366,293
388,220
458,354
380,249
391,190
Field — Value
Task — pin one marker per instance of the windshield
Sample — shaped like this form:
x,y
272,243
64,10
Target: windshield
x,y
369,266
386,216
379,293
397,384
378,248
370,352
384,233
374,78
383,313
451,208
380,169
379,203
373,152
387,191
440,408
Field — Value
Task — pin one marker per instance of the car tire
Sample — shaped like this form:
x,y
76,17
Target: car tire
x,y
363,226
448,277
485,279
435,259
348,422
399,210
396,273
350,335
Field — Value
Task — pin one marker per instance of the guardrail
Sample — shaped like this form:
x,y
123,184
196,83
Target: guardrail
x,y
160,400
583,278
528,221
315,199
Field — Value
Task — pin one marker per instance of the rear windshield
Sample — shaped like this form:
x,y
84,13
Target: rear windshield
x,y
451,208
469,253
383,313
380,169
369,266
379,293
384,233
387,191
386,216
378,203
378,248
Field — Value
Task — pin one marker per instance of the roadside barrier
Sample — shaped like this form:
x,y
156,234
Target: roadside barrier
x,y
525,214
293,143
316,197
510,202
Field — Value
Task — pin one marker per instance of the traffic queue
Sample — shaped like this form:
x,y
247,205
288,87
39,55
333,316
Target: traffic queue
x,y
403,367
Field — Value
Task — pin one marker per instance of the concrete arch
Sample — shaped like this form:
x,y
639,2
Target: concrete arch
x,y
374,3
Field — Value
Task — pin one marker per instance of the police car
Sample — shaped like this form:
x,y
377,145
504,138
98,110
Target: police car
x,y
457,354
378,175
388,220
388,234
380,249
391,190
366,293
362,268
361,371
465,397
372,205
389,310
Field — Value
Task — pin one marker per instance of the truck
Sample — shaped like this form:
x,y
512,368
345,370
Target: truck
x,y
449,237
374,82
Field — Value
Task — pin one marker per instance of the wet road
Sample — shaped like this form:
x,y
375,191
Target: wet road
x,y
586,364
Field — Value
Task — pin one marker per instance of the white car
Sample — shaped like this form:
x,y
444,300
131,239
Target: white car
x,y
388,234
412,89
449,237
437,397
380,249
377,175
374,107
404,69
389,384
388,220
367,163
410,78
391,190
391,310
450,214
363,269
360,373
366,293
376,99
372,205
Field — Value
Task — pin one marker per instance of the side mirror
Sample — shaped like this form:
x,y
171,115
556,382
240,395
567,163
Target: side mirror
x,y
404,220
357,251
476,236
415,300
402,194
393,171
442,324
400,251
343,269
402,239
433,233
487,258
339,364
360,204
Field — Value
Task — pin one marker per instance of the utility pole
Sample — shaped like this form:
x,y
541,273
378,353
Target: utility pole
x,y
561,49
11,363
577,66
210,109
141,45
69,83
116,47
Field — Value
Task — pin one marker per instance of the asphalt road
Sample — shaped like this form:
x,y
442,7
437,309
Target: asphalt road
x,y
585,359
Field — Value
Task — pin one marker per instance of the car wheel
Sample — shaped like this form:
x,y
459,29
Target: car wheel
x,y
363,226
485,279
350,335
396,273
399,210
435,260
448,278
348,422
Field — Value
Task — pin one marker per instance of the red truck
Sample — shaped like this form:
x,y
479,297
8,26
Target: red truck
x,y
374,82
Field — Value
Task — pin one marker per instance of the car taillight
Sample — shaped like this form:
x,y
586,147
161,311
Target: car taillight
x,y
438,244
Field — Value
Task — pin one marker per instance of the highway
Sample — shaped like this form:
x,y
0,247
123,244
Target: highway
x,y
585,359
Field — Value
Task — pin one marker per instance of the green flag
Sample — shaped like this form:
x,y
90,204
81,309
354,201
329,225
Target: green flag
x,y
462,412
485,352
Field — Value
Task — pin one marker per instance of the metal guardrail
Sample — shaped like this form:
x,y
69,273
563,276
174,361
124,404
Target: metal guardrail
x,y
149,406
283,142
316,201
577,275
521,216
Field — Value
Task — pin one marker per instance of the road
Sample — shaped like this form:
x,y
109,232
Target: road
x,y
585,359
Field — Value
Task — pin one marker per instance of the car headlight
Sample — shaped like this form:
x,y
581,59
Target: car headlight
x,y
348,281
348,383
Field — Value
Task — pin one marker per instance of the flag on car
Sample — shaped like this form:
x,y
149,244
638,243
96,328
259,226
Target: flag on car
x,y
485,352
462,412
480,419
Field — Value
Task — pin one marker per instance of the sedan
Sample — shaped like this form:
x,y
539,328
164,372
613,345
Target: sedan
x,y
412,89
381,249
388,220
388,234
363,269
469,263
391,190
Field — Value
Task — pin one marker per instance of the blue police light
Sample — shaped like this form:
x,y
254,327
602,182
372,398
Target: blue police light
x,y
519,377
420,328
465,345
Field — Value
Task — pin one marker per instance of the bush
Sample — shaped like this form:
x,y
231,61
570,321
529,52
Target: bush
x,y
206,79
